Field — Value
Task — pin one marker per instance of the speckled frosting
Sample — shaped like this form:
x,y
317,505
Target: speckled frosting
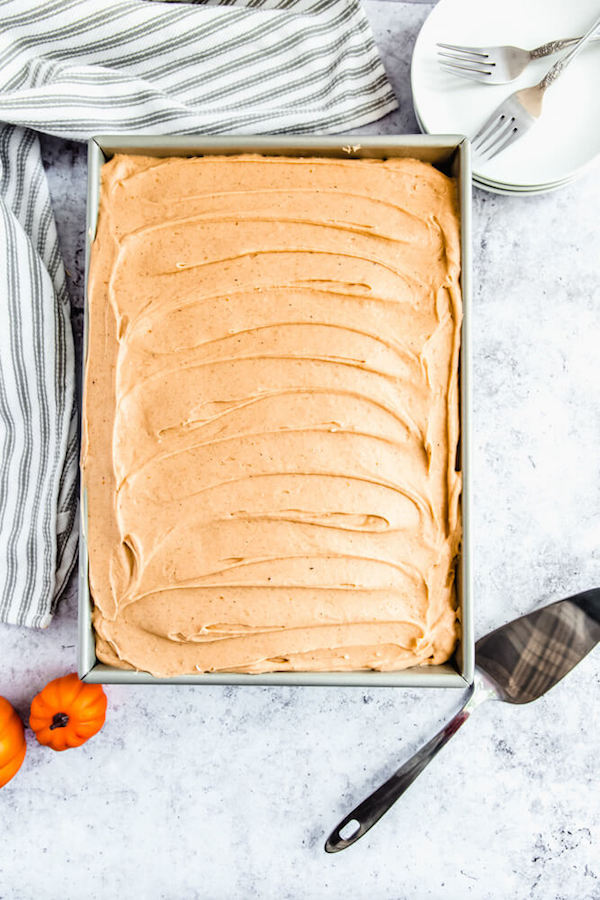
x,y
271,414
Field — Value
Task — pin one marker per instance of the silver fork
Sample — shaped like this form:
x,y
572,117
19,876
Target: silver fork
x,y
496,65
515,115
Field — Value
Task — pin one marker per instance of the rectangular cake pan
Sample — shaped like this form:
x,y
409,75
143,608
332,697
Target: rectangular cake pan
x,y
450,154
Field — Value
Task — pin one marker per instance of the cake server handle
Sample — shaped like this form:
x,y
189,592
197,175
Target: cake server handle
x,y
367,813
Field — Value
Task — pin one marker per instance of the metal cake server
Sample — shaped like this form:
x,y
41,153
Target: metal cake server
x,y
517,663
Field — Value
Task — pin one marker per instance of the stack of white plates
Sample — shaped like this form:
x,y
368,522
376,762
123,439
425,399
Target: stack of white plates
x,y
565,142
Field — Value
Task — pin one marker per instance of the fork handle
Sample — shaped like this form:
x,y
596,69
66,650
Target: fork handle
x,y
561,64
554,46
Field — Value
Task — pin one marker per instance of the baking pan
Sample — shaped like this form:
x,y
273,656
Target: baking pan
x,y
450,154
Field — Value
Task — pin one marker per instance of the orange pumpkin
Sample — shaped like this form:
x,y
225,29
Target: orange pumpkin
x,y
67,712
12,742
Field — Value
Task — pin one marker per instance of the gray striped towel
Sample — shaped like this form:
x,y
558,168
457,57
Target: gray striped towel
x,y
76,68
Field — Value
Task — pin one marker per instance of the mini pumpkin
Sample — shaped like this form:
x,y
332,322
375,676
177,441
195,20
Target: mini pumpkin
x,y
67,712
12,742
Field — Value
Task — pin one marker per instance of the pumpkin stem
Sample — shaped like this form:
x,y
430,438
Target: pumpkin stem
x,y
59,721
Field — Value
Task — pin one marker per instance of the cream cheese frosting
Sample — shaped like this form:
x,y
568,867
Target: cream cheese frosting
x,y
271,415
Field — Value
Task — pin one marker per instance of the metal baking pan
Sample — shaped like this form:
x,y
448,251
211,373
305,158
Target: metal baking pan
x,y
449,153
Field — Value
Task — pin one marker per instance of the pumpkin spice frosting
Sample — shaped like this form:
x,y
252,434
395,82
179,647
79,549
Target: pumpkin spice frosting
x,y
271,414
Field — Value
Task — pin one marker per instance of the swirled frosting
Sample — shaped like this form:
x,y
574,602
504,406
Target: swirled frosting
x,y
271,414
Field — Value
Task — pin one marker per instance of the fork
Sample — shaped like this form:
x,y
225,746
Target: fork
x,y
515,115
496,65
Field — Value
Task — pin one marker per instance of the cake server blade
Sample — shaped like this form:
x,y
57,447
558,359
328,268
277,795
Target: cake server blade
x,y
529,655
517,663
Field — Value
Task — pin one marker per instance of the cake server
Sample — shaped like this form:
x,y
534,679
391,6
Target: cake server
x,y
517,663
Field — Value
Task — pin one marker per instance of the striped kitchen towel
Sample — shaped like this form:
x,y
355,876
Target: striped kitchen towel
x,y
76,68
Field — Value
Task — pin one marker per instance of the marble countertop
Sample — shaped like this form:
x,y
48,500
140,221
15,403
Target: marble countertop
x,y
229,793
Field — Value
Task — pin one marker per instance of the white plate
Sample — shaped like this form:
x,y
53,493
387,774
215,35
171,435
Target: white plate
x,y
566,140
519,192
532,189
487,185
540,185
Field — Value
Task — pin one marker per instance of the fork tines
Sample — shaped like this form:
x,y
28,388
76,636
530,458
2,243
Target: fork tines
x,y
464,59
496,133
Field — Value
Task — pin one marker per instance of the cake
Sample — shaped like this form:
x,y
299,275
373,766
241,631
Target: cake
x,y
271,414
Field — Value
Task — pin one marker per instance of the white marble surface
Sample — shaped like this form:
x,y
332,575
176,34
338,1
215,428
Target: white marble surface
x,y
229,793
